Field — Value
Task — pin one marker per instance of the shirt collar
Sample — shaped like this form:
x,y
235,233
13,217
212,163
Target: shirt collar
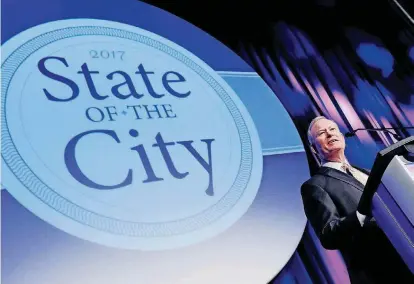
x,y
334,165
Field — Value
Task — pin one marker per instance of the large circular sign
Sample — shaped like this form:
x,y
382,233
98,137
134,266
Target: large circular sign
x,y
151,149
141,150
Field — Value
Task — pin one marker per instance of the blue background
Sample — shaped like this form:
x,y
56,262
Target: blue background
x,y
30,245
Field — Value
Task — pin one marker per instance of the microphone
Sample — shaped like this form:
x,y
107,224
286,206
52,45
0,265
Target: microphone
x,y
383,129
349,134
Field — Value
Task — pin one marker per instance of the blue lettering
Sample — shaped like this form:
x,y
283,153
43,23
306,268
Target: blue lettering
x,y
111,110
76,172
168,78
149,111
208,166
167,158
168,111
101,114
144,75
179,78
151,177
127,82
42,68
91,86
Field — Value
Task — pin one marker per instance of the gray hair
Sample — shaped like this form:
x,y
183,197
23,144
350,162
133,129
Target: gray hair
x,y
316,119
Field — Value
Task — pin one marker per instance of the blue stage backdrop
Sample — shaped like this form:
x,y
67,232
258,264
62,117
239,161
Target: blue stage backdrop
x,y
138,149
352,65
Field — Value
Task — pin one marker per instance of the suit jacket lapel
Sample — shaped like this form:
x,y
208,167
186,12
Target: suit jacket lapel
x,y
336,174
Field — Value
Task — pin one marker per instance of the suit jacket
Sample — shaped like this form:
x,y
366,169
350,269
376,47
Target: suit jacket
x,y
330,199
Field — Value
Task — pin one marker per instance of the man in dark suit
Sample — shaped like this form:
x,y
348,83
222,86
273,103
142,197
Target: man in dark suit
x,y
331,198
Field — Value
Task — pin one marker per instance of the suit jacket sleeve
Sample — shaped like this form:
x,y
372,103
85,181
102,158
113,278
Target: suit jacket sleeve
x,y
334,231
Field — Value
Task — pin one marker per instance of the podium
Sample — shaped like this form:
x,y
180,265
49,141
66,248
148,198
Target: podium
x,y
389,196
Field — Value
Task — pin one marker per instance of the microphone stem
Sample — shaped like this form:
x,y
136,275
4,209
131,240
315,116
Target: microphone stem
x,y
385,128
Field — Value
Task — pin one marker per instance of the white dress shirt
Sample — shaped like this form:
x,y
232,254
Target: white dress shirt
x,y
338,166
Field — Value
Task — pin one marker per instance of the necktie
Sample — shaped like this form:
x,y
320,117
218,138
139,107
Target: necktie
x,y
359,176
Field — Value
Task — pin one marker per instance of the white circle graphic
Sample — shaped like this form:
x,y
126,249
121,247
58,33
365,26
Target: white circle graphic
x,y
121,137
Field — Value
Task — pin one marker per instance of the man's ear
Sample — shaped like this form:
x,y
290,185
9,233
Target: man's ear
x,y
312,147
314,151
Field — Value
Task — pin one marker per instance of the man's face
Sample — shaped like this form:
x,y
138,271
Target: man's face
x,y
327,138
